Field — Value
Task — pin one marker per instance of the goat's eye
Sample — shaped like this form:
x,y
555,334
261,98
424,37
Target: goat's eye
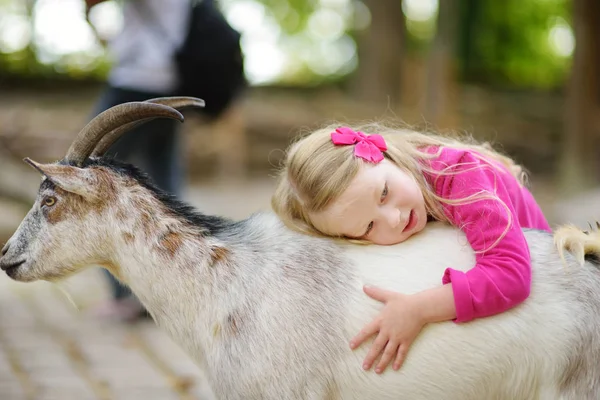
x,y
49,201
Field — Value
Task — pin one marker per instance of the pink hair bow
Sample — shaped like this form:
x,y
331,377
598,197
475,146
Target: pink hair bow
x,y
368,147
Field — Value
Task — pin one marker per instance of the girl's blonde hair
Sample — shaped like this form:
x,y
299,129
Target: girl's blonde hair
x,y
315,172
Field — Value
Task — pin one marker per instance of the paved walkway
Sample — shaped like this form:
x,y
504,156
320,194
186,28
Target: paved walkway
x,y
52,348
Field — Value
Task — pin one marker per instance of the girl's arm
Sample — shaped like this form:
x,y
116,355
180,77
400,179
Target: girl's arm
x,y
501,278
435,305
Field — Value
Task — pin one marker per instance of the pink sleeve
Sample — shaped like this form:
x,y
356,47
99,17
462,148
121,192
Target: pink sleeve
x,y
501,278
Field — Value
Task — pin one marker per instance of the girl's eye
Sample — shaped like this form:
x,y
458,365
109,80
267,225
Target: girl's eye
x,y
49,201
384,193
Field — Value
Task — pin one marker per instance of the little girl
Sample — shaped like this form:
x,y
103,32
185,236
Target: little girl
x,y
383,188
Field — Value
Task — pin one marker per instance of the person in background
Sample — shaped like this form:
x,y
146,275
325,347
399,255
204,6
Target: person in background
x,y
144,67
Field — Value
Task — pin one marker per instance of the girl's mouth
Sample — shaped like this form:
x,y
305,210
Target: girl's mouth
x,y
412,221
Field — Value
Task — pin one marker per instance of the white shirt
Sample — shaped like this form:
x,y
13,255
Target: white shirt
x,y
143,51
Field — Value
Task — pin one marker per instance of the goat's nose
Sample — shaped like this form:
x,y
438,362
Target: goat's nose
x,y
5,248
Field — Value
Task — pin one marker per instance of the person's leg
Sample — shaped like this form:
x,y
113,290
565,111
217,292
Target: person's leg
x,y
163,155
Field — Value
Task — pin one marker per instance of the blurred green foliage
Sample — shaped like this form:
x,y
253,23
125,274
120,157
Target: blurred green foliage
x,y
509,42
24,64
292,15
500,42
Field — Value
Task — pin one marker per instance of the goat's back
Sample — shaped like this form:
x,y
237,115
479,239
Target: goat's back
x,y
302,300
547,346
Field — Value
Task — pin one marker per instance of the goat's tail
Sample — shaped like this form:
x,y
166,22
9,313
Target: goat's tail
x,y
581,244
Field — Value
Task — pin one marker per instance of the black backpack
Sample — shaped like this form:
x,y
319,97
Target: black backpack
x,y
209,63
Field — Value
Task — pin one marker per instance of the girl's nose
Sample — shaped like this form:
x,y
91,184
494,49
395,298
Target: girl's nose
x,y
395,218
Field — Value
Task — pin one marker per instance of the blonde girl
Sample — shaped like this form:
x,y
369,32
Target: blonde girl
x,y
380,185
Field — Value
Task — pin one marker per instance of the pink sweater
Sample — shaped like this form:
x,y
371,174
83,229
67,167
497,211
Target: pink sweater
x,y
501,278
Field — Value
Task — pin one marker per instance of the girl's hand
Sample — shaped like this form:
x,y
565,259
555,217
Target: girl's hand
x,y
398,325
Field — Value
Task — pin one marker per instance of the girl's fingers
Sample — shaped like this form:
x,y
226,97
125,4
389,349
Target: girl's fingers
x,y
388,355
376,349
400,357
377,293
364,334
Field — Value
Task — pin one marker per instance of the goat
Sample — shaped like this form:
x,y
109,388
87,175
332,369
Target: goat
x,y
267,313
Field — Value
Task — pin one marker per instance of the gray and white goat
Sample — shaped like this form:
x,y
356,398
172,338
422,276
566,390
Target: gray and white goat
x,y
268,313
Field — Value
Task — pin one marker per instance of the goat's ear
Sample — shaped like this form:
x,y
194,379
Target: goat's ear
x,y
80,181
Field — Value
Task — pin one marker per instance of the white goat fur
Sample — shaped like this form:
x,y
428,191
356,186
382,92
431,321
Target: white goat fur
x,y
272,318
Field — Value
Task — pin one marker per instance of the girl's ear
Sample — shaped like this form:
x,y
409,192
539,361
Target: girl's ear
x,y
80,181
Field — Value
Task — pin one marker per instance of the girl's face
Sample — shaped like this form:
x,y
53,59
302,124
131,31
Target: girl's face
x,y
383,205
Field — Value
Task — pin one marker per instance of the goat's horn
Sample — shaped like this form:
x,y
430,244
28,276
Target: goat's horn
x,y
111,137
598,225
108,120
178,102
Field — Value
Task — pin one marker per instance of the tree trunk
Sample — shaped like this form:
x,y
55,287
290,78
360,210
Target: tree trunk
x,y
579,167
380,51
441,93
469,22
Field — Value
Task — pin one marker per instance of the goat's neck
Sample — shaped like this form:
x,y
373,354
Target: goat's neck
x,y
167,264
